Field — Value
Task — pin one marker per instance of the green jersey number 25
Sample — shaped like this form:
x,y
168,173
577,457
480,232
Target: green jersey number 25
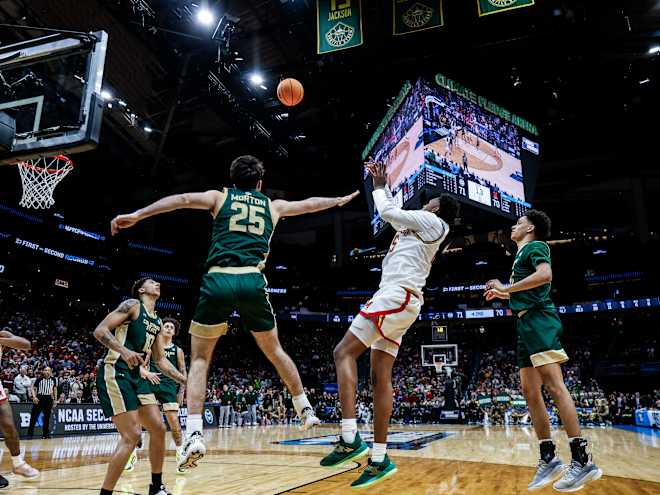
x,y
255,215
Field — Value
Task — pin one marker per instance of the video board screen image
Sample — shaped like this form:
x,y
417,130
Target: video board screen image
x,y
466,140
401,146
439,139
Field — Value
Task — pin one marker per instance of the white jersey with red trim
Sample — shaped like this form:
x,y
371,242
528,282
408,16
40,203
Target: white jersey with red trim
x,y
414,247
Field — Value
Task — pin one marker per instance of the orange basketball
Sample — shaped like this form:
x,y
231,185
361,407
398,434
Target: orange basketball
x,y
290,92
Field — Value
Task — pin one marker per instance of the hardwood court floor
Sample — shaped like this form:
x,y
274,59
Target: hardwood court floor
x,y
433,460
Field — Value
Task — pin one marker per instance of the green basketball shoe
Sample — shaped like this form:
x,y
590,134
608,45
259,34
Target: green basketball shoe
x,y
375,472
345,452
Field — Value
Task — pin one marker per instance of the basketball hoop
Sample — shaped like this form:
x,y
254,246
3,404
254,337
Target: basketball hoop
x,y
40,177
438,367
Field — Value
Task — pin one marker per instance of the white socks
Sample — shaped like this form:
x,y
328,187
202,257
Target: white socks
x,y
378,452
348,430
300,402
194,423
17,460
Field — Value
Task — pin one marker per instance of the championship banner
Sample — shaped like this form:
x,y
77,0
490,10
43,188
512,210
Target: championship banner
x,y
411,16
487,7
339,24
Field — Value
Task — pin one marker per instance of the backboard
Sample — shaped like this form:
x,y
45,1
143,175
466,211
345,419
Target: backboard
x,y
445,353
50,95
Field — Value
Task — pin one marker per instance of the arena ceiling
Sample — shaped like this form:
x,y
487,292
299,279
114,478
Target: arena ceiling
x,y
573,68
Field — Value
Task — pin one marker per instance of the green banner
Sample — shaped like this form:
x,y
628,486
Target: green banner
x,y
411,16
487,7
339,24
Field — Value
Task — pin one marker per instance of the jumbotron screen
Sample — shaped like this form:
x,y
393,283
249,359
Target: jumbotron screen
x,y
442,136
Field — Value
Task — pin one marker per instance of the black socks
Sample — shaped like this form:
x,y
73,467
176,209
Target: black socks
x,y
579,450
547,450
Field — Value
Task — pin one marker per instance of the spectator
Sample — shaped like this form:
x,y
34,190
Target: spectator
x,y
22,385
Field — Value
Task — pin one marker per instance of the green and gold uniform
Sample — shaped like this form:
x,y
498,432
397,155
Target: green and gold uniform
x,y
538,326
120,388
240,243
167,389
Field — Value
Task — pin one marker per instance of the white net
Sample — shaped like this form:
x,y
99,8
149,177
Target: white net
x,y
40,177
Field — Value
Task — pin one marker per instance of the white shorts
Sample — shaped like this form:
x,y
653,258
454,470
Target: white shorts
x,y
386,318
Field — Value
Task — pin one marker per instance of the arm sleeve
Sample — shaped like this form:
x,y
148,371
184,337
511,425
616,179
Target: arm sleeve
x,y
539,253
415,220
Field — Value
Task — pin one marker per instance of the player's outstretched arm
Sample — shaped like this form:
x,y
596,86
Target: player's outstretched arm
x,y
8,339
158,355
129,309
310,205
197,201
542,276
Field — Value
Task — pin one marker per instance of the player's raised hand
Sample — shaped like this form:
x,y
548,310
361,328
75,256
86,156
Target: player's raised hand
x,y
346,199
378,172
123,222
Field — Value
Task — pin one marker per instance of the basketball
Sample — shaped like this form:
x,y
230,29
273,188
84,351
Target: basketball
x,y
290,92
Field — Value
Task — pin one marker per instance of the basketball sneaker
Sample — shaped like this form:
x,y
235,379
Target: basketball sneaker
x,y
546,473
192,451
158,490
577,475
132,461
26,471
308,419
344,452
179,469
4,483
375,472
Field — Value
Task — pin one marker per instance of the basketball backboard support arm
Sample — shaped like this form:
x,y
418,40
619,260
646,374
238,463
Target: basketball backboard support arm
x,y
84,135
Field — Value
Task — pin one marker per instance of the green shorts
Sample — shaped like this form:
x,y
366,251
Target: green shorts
x,y
538,338
224,291
165,393
121,391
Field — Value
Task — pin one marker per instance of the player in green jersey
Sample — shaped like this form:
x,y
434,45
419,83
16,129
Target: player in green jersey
x,y
244,222
124,395
167,392
540,353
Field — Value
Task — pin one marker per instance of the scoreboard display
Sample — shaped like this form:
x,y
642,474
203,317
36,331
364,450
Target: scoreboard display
x,y
440,137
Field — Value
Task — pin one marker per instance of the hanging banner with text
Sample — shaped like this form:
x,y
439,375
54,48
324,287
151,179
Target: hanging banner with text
x,y
487,7
339,24
411,16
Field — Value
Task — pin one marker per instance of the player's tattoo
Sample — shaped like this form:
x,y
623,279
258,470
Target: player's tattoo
x,y
126,306
109,340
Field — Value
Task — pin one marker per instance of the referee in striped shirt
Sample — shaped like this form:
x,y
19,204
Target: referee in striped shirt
x,y
44,395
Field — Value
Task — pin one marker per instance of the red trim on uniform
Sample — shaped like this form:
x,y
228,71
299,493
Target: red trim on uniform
x,y
377,317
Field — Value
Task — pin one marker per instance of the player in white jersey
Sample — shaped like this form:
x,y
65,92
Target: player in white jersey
x,y
384,320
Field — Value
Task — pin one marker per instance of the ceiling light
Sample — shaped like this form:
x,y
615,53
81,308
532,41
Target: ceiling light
x,y
256,79
205,16
106,95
